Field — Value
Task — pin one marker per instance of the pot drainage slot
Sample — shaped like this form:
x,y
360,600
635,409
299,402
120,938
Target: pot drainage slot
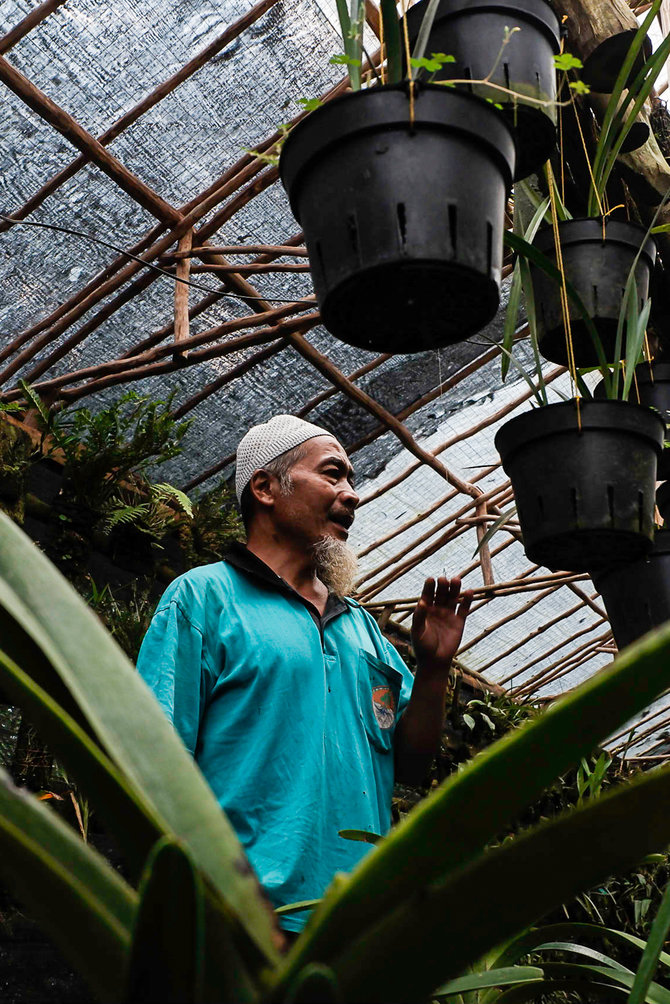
x,y
610,501
402,221
489,246
540,506
352,229
506,72
640,511
595,300
574,498
453,226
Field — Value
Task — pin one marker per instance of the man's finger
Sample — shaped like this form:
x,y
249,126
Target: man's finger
x,y
465,604
447,591
428,591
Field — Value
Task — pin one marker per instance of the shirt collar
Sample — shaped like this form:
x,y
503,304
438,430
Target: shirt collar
x,y
246,561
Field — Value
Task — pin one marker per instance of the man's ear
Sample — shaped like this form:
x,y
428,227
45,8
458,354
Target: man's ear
x,y
264,488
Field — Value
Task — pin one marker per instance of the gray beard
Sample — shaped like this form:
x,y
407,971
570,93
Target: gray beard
x,y
336,565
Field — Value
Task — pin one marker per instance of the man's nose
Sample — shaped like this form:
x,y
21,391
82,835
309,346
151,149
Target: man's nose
x,y
349,496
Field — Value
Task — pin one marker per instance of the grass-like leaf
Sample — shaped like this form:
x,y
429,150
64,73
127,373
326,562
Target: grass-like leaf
x,y
83,904
652,952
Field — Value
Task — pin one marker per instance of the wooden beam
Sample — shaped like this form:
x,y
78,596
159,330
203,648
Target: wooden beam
x,y
82,140
152,99
181,318
36,16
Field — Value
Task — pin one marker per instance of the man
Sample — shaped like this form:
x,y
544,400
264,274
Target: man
x,y
295,707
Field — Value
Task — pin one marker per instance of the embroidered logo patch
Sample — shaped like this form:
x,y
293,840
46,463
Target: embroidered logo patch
x,y
383,705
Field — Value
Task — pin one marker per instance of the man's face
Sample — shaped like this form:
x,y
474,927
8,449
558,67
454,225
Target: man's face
x,y
322,500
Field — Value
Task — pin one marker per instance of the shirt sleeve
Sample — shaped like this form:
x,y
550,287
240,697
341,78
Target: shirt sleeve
x,y
173,662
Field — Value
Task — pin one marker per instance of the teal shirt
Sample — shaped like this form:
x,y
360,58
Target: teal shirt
x,y
289,716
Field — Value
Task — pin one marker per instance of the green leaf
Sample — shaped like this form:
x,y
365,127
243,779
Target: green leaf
x,y
120,807
82,903
614,128
310,104
469,721
652,951
304,904
424,31
167,949
389,16
80,658
364,835
489,978
579,87
664,228
444,834
566,61
580,846
343,60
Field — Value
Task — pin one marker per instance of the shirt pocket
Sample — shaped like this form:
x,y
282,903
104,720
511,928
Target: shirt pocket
x,y
378,693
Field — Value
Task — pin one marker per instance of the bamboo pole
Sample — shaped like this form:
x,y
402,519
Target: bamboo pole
x,y
128,364
493,493
80,138
479,427
276,250
150,101
549,673
30,21
329,370
181,319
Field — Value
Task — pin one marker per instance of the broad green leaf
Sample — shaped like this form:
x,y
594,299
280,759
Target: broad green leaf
x,y
364,835
304,904
492,896
656,994
539,991
166,958
79,655
529,941
494,527
443,834
652,951
425,30
389,15
591,953
607,134
489,978
82,903
122,809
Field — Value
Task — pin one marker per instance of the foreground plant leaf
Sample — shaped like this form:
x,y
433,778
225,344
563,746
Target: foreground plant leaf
x,y
492,896
82,903
166,960
450,828
653,950
78,663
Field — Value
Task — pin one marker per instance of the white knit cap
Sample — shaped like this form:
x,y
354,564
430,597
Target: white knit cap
x,y
264,443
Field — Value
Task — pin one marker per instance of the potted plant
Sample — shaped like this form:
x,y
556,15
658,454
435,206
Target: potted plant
x,y
597,253
401,190
520,75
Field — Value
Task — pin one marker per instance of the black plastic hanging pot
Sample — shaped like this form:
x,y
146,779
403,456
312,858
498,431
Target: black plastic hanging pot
x,y
583,481
653,387
603,64
402,206
637,595
598,269
473,32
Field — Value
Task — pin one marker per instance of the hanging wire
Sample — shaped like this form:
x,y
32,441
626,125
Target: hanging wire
x,y
148,264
